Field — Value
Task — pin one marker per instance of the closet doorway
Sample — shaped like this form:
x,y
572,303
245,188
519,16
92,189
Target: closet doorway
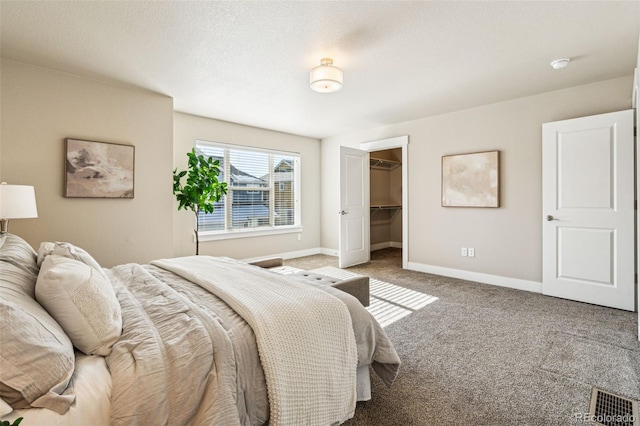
x,y
388,171
385,195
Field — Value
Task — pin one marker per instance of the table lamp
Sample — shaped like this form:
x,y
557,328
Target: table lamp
x,y
16,202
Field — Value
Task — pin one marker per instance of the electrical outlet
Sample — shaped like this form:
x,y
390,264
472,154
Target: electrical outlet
x,y
471,252
463,251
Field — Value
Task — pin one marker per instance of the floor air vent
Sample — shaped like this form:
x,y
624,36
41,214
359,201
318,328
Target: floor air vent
x,y
609,409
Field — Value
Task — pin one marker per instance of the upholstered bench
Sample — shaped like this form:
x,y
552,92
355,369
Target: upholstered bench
x,y
357,286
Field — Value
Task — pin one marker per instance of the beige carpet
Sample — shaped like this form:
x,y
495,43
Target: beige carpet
x,y
475,354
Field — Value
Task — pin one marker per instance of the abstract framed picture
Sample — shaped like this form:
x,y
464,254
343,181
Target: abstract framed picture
x,y
98,169
471,180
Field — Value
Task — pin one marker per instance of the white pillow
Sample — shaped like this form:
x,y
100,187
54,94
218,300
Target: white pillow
x,y
4,408
45,249
68,250
82,301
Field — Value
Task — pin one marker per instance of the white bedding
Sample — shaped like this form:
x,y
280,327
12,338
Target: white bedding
x,y
309,360
92,384
186,357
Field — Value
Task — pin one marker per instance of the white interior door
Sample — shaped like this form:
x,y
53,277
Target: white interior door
x,y
588,210
354,207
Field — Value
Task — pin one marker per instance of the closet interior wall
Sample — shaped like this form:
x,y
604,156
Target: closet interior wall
x,y
386,198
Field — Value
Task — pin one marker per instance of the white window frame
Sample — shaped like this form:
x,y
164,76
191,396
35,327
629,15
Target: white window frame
x,y
263,230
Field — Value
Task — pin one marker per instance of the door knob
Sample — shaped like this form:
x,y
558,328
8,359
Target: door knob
x,y
342,212
550,218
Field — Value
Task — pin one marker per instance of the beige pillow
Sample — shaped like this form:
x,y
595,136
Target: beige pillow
x,y
18,267
37,359
82,301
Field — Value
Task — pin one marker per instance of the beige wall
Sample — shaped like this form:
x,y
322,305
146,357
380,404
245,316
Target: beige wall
x,y
507,240
39,109
188,128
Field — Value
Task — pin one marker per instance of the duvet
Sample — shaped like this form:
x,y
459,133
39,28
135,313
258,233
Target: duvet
x,y
216,341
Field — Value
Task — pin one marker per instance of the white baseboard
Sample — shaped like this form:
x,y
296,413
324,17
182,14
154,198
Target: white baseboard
x,y
498,280
515,283
329,252
386,244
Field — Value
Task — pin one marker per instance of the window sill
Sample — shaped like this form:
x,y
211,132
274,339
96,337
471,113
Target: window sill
x,y
241,233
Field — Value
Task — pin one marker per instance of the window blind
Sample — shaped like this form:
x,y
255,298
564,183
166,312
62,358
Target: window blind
x,y
261,188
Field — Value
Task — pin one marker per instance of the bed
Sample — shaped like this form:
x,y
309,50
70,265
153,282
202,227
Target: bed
x,y
190,340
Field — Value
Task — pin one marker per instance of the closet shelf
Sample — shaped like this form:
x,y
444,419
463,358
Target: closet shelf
x,y
382,164
392,209
385,206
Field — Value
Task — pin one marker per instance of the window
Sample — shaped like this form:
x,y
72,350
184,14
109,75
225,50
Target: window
x,y
262,192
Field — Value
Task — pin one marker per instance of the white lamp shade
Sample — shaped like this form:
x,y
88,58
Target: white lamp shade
x,y
326,78
17,202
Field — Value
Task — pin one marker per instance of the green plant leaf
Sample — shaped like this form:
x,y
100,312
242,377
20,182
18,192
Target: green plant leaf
x,y
202,189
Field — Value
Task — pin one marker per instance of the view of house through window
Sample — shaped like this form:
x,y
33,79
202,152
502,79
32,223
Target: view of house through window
x,y
261,189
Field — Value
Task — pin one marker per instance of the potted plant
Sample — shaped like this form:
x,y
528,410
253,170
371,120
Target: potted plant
x,y
201,190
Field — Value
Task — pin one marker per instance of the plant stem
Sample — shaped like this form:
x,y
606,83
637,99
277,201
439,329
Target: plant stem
x,y
196,231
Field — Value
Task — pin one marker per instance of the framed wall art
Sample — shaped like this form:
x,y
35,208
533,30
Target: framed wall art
x,y
98,169
471,180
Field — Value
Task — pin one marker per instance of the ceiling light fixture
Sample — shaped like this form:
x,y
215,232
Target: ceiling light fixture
x,y
326,78
558,64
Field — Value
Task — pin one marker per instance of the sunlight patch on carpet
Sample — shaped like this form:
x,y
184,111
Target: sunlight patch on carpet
x,y
388,302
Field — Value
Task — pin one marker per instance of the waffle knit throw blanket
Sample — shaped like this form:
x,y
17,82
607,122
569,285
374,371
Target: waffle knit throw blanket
x,y
305,338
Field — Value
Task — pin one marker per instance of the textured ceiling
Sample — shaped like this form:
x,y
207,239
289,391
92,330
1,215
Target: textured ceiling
x,y
249,62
